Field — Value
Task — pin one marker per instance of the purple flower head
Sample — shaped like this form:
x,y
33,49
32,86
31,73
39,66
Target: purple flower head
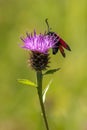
x,y
39,43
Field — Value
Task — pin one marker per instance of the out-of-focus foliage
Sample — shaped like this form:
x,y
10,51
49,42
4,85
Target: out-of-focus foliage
x,y
66,102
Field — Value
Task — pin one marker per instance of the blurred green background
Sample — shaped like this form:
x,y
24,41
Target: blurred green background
x,y
66,102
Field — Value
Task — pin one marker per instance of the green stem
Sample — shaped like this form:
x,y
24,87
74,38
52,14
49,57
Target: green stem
x,y
39,89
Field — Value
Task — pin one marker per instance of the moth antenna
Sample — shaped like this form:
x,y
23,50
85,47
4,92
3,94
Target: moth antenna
x,y
46,20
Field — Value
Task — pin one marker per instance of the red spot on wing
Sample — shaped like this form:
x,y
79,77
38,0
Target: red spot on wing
x,y
64,44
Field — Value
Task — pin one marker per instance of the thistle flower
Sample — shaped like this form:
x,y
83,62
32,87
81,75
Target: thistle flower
x,y
39,46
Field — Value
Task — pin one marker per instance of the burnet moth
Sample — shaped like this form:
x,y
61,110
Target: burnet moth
x,y
60,44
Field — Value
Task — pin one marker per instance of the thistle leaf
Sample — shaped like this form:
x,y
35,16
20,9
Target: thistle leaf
x,y
27,82
45,91
51,71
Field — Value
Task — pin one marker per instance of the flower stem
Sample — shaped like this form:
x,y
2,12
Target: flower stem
x,y
39,90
